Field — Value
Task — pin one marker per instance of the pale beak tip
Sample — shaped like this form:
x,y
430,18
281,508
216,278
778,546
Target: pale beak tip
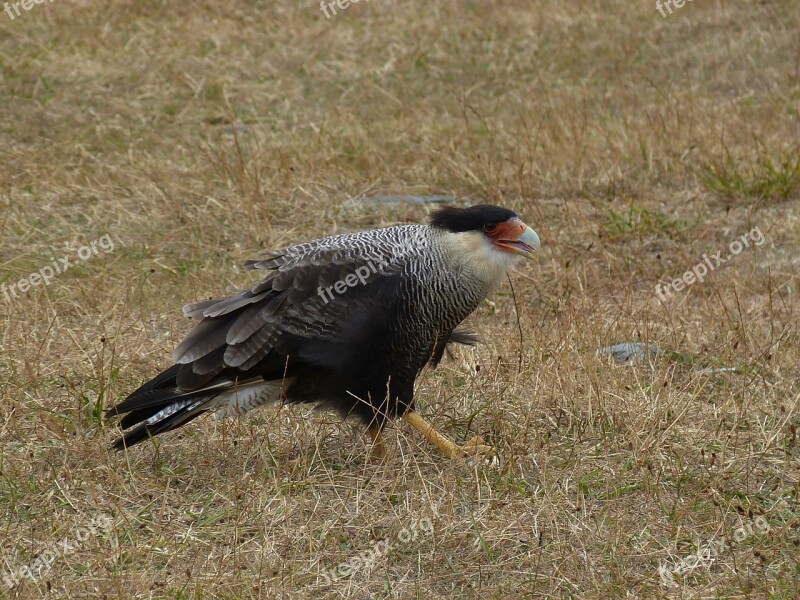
x,y
530,237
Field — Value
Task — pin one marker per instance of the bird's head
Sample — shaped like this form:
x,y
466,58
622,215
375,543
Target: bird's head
x,y
488,228
489,238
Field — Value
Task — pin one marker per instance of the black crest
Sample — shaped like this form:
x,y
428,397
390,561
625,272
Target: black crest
x,y
473,218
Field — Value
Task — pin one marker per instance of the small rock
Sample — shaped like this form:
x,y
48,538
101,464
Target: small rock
x,y
628,352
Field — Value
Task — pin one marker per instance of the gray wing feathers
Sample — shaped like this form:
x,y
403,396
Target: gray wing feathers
x,y
204,338
235,303
247,323
241,330
195,311
253,349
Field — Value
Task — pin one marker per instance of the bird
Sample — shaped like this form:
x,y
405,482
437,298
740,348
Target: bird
x,y
345,323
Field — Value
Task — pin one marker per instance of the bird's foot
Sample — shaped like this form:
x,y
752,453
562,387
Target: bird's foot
x,y
476,452
377,454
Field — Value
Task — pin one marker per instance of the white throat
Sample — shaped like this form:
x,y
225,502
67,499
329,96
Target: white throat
x,y
478,256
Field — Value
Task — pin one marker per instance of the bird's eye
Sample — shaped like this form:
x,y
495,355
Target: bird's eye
x,y
490,227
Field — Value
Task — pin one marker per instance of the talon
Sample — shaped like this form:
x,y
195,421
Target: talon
x,y
476,451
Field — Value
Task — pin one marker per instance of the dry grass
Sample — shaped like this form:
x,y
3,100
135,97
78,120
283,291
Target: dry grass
x,y
196,133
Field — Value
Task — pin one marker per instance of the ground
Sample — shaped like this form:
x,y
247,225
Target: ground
x,y
155,146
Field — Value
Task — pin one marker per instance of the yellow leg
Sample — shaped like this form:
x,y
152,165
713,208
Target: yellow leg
x,y
445,446
378,449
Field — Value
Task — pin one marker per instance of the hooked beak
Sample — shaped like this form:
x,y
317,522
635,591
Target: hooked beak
x,y
525,242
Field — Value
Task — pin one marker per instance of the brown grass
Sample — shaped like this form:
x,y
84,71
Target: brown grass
x,y
197,133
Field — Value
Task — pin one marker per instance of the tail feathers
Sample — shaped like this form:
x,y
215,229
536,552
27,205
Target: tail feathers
x,y
162,380
464,336
457,336
155,421
140,401
161,405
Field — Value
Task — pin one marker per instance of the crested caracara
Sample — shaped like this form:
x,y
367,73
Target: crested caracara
x,y
346,322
